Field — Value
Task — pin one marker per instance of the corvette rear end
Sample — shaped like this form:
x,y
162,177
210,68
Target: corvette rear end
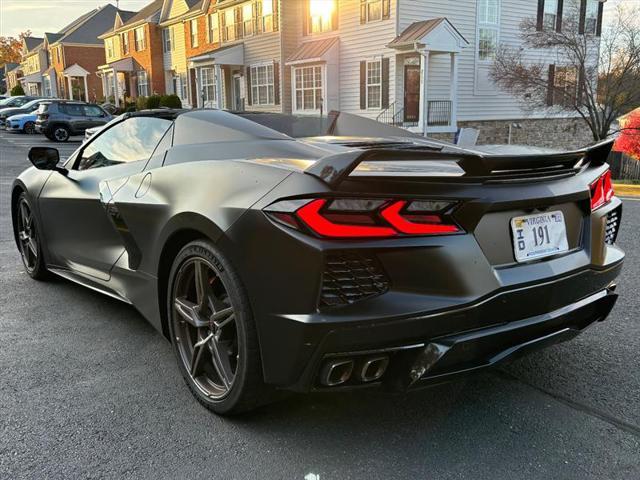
x,y
402,265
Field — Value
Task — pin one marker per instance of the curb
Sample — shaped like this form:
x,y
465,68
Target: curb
x,y
626,190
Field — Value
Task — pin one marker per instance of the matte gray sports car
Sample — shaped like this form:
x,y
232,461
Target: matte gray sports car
x,y
282,253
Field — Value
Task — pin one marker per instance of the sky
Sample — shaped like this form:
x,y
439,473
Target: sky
x,y
41,16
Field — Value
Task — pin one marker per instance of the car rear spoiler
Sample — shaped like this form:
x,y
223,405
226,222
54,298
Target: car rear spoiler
x,y
334,169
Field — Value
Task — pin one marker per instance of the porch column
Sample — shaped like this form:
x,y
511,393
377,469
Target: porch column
x,y
86,90
454,90
103,80
199,99
70,88
116,94
424,81
218,80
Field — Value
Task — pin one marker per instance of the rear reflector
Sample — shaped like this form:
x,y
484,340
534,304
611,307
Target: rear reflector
x,y
365,218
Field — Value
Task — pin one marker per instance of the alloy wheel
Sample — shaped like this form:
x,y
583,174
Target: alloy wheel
x,y
204,325
27,236
61,134
29,128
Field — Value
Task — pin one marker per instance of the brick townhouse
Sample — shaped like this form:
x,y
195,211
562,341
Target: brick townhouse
x,y
133,50
76,52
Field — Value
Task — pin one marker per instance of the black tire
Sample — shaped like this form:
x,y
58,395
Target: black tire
x,y
60,133
247,389
29,242
29,128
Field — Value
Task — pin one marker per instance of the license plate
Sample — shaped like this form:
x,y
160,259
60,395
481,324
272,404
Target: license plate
x,y
540,235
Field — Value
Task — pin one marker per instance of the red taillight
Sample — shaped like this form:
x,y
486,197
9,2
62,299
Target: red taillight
x,y
601,191
415,224
364,218
311,216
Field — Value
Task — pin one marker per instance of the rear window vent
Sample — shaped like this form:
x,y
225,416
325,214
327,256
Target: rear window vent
x,y
350,277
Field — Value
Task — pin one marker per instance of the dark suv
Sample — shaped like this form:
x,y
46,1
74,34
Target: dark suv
x,y
58,120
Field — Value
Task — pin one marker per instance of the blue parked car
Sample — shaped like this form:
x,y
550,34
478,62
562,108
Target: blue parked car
x,y
22,123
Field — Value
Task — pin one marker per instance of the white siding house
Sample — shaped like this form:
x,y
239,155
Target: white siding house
x,y
174,48
420,64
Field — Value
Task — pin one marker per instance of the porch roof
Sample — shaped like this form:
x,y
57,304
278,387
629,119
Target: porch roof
x,y
128,64
229,55
33,78
437,34
315,50
75,70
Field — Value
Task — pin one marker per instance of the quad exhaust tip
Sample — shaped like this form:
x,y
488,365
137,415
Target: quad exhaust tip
x,y
336,372
340,371
373,368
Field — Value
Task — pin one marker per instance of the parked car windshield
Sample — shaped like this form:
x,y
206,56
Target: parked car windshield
x,y
32,103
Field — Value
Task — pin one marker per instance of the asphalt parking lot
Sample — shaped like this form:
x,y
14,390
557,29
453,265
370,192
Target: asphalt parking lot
x,y
89,390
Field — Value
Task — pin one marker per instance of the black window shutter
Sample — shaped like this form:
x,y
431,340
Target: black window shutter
x,y
540,18
248,75
276,83
386,9
550,87
583,14
385,83
559,16
305,17
334,17
363,11
363,85
276,16
599,24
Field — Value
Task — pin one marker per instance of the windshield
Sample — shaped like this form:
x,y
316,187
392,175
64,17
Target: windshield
x,y
7,102
32,103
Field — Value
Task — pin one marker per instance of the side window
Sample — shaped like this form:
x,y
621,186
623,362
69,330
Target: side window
x,y
93,111
70,109
165,144
133,140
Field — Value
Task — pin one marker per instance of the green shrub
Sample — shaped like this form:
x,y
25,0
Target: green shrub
x,y
131,108
141,103
170,101
153,102
17,90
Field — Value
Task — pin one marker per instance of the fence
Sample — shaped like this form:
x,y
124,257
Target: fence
x,y
624,167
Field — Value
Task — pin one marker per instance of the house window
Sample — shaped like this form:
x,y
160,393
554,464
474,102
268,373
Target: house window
x,y
47,86
183,87
143,84
231,25
124,40
193,24
207,81
247,19
308,89
109,43
488,27
266,15
321,16
565,86
591,17
168,39
213,28
550,14
374,10
374,84
262,85
138,35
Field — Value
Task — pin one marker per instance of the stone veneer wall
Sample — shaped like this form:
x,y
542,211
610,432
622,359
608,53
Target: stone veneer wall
x,y
562,133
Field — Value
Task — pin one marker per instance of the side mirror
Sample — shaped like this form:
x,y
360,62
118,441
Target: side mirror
x,y
46,158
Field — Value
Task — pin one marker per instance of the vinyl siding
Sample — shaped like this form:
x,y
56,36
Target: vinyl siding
x,y
478,97
263,48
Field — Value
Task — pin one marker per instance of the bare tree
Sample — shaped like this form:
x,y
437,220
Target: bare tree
x,y
597,76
